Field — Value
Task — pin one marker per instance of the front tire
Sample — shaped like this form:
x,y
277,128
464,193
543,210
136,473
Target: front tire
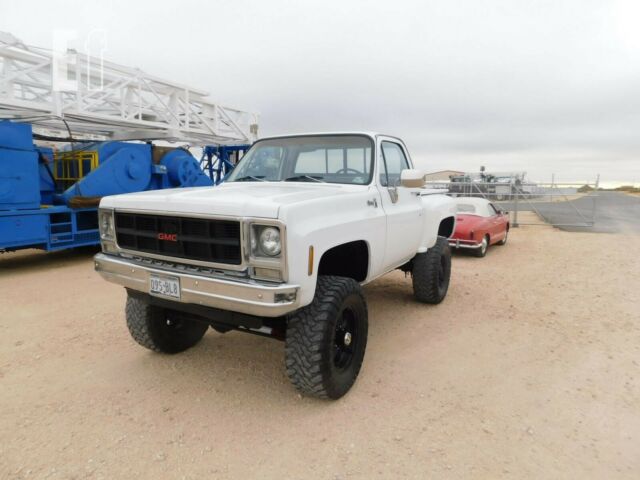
x,y
431,272
326,340
160,330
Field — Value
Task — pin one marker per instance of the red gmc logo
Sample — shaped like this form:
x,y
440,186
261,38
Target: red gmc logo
x,y
170,237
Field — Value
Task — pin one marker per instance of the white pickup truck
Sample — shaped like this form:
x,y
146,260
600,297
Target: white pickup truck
x,y
281,248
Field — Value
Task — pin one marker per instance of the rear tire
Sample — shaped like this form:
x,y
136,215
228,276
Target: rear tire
x,y
161,330
484,246
326,340
431,272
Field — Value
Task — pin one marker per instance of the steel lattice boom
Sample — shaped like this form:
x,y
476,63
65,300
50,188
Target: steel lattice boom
x,y
109,100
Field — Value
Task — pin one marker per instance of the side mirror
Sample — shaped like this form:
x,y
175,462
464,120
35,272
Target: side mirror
x,y
412,178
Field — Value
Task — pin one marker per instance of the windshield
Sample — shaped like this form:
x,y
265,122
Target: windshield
x,y
320,158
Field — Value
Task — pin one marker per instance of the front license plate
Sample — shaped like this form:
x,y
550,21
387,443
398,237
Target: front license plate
x,y
164,286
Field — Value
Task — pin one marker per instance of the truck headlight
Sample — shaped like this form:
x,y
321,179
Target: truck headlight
x,y
265,241
269,241
105,222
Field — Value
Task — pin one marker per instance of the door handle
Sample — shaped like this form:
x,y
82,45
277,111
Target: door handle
x,y
373,203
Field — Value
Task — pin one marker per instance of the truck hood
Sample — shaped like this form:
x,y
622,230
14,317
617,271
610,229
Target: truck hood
x,y
236,199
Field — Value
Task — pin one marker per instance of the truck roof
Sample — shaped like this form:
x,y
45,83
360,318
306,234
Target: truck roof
x,y
344,132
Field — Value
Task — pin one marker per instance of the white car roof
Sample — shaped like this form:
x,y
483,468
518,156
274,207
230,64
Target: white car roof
x,y
481,205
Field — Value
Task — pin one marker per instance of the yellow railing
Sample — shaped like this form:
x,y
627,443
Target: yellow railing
x,y
70,167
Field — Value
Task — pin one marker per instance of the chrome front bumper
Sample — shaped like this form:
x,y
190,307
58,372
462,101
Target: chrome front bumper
x,y
248,297
457,243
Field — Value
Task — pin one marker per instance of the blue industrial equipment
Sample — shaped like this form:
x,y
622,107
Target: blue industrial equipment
x,y
219,160
19,176
49,199
128,167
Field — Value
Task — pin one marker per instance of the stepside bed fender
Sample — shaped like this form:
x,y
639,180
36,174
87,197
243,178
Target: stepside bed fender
x,y
440,218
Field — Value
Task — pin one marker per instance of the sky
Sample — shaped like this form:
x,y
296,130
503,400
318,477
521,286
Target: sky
x,y
546,87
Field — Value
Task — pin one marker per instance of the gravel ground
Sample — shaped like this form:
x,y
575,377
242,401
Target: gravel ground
x,y
529,369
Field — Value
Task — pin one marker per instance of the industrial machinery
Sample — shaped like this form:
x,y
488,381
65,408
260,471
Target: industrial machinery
x,y
219,160
48,199
94,138
495,186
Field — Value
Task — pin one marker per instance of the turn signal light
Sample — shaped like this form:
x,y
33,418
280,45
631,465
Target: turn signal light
x,y
267,273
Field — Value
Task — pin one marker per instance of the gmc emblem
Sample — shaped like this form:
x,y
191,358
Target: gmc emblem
x,y
169,237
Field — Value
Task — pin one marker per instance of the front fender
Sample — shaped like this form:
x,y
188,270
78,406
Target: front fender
x,y
326,223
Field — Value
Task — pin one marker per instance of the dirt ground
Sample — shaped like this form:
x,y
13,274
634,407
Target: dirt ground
x,y
529,369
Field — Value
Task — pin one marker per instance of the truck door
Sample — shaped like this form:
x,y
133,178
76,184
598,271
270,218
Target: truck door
x,y
402,206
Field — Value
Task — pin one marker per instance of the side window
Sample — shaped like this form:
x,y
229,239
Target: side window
x,y
492,209
394,161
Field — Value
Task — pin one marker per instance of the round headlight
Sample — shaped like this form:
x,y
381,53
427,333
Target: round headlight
x,y
106,222
270,241
106,225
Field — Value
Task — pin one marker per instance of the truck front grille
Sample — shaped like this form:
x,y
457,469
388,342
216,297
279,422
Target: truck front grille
x,y
201,239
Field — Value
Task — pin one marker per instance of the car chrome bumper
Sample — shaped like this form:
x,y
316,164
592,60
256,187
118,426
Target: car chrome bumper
x,y
457,243
250,298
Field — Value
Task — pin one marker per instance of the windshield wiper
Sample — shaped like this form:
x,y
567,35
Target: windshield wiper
x,y
304,177
250,177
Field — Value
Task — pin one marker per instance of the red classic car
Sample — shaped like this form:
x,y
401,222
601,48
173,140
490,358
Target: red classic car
x,y
479,224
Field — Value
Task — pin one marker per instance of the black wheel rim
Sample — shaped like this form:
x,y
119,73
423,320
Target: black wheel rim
x,y
344,340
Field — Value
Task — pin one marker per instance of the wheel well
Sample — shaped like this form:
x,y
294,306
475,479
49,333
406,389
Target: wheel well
x,y
446,227
346,260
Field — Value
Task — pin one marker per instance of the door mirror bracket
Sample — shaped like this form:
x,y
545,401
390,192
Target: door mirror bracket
x,y
393,193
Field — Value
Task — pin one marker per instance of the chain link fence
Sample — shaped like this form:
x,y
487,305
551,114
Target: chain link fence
x,y
571,205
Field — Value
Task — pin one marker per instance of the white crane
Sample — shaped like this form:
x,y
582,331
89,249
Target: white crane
x,y
110,101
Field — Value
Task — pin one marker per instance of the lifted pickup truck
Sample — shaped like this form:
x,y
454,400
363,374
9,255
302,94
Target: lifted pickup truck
x,y
281,248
